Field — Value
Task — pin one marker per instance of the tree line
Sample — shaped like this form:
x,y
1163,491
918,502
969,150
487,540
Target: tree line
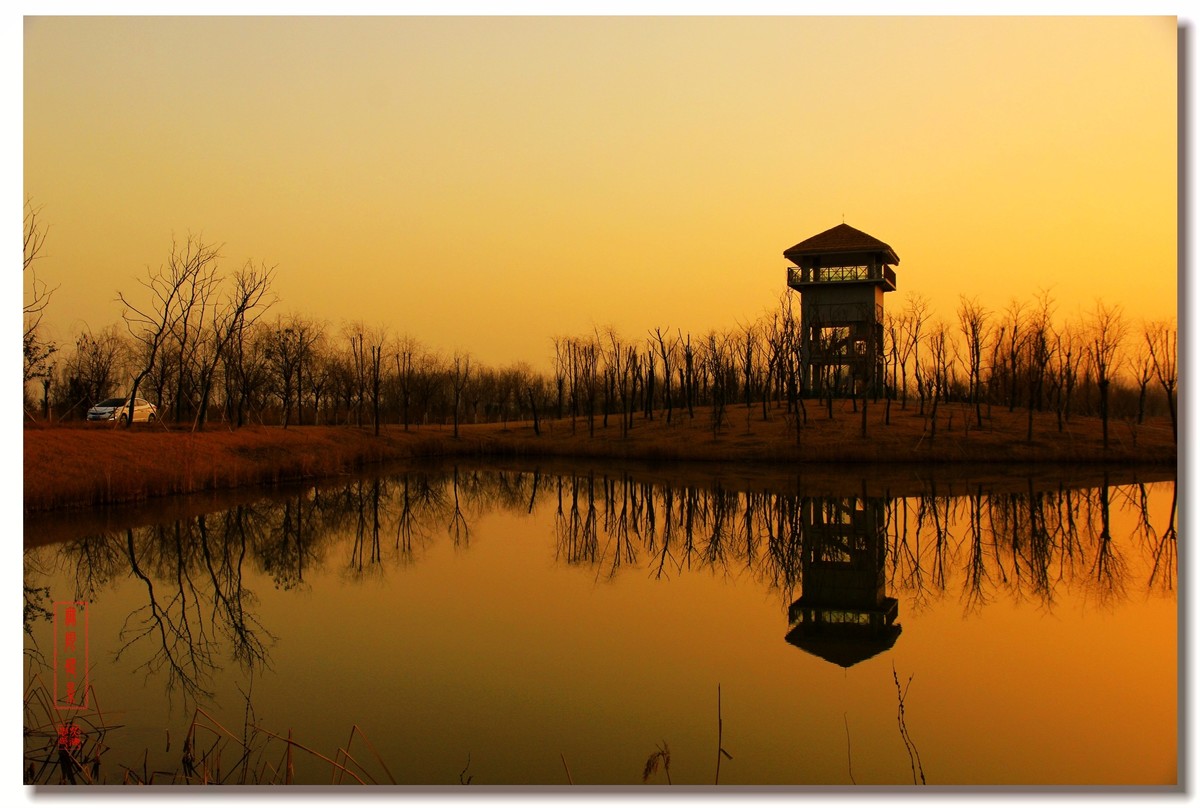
x,y
205,344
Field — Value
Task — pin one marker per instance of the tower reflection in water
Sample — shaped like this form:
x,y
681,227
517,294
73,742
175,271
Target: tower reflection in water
x,y
843,614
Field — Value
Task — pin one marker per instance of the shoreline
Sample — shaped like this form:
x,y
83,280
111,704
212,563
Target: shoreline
x,y
73,466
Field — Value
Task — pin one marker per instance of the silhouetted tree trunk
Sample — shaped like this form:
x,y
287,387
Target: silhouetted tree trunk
x,y
666,352
689,376
1108,331
649,385
537,430
376,353
972,319
461,374
1161,340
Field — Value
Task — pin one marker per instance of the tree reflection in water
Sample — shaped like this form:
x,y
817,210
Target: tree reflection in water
x,y
1163,546
1024,542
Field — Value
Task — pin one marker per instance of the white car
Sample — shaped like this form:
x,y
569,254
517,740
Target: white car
x,y
117,409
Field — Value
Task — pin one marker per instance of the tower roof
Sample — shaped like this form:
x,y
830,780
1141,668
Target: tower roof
x,y
840,239
843,651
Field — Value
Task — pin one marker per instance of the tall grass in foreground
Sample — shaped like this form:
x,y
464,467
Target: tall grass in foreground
x,y
211,754
63,746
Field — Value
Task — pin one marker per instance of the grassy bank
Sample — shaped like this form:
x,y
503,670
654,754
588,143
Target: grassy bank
x,y
85,465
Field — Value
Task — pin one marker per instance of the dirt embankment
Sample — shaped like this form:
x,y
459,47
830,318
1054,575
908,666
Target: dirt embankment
x,y
87,465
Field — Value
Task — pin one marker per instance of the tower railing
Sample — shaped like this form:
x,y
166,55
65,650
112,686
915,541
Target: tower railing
x,y
803,276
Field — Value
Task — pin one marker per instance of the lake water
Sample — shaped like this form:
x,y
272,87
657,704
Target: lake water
x,y
617,627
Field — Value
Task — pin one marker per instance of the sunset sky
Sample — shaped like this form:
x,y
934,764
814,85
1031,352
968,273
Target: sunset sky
x,y
487,184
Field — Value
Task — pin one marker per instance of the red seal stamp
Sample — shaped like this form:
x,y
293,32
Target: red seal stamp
x,y
70,657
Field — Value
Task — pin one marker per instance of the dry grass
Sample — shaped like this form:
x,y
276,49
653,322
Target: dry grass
x,y
211,754
85,465
50,758
745,436
80,466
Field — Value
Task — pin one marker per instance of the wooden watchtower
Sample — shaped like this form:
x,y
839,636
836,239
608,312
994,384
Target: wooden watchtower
x,y
842,275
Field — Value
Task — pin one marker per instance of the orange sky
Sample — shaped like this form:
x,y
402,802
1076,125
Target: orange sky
x,y
486,184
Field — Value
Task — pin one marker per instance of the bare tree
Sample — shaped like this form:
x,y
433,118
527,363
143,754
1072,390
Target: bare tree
x,y
366,352
893,327
245,304
719,365
283,354
1107,327
562,365
320,376
633,365
151,324
749,341
666,352
972,321
790,360
37,350
772,358
190,331
935,373
687,374
616,373
1011,340
430,384
916,313
376,354
535,388
1067,357
290,342
1161,339
648,363
246,371
1143,373
93,368
587,365
407,348
356,333
1039,347
461,374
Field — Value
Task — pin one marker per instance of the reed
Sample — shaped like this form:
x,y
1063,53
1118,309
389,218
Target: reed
x,y
52,756
914,757
659,757
720,746
211,754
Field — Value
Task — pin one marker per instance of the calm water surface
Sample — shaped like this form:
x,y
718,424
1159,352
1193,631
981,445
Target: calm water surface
x,y
519,627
